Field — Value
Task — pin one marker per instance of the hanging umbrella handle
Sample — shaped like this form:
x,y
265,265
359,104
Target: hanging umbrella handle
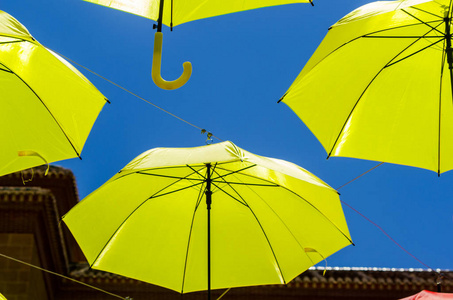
x,y
155,72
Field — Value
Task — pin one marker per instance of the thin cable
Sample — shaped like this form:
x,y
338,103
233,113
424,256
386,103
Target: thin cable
x,y
133,94
360,175
65,277
223,294
379,227
383,231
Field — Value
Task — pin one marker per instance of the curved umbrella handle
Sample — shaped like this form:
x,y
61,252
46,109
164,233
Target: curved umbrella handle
x,y
155,71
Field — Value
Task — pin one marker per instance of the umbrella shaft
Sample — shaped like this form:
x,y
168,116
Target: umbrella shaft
x,y
208,205
448,49
161,13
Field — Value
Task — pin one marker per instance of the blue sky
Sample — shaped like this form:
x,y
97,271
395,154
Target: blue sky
x,y
242,64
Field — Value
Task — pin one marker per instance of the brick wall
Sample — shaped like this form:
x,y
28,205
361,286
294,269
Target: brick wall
x,y
19,281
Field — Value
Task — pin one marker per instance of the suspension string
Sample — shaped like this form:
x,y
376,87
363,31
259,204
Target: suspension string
x,y
65,277
379,227
384,232
223,294
132,93
360,175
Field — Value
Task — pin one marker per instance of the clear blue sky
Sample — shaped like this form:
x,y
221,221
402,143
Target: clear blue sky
x,y
242,64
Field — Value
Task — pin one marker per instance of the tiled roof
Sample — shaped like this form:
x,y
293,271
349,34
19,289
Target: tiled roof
x,y
334,278
374,278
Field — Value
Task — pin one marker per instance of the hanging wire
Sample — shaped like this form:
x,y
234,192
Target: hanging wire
x,y
133,94
65,277
386,234
379,227
223,294
350,181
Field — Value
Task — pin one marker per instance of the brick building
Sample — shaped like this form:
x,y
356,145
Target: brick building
x,y
30,231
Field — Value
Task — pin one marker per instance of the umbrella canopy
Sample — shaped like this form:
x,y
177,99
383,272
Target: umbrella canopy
x,y
48,107
177,12
174,215
428,295
379,86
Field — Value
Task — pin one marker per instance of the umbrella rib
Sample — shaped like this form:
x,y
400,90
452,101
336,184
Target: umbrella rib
x,y
271,183
50,113
269,242
369,84
140,205
222,177
356,38
306,201
418,51
261,227
450,11
168,176
174,191
393,28
232,172
248,175
18,39
425,11
251,184
12,42
142,171
302,198
320,212
228,194
423,22
287,228
197,204
172,167
5,68
228,183
402,37
195,171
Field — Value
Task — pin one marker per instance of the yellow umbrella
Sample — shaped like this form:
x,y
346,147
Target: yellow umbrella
x,y
210,217
379,86
48,108
178,12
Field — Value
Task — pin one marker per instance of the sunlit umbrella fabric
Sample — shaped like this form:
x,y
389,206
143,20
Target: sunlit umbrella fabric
x,y
177,12
379,86
270,219
48,107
